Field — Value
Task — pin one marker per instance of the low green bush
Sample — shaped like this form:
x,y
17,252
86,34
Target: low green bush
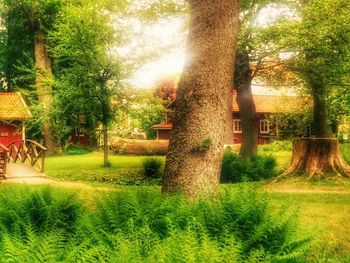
x,y
237,169
152,167
77,150
145,226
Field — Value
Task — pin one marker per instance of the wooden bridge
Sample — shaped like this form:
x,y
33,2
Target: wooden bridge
x,y
22,159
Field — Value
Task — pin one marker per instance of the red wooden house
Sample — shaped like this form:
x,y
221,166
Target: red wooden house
x,y
13,112
265,106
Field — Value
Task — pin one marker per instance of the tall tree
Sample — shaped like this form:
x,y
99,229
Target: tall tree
x,y
255,50
322,40
29,21
88,72
203,99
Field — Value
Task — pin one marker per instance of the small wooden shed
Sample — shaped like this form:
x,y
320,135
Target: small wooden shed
x,y
13,112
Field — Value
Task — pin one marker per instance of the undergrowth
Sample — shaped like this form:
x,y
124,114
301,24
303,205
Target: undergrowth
x,y
144,226
237,169
77,150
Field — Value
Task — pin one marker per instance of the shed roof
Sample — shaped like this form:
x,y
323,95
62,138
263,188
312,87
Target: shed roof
x,y
163,126
13,107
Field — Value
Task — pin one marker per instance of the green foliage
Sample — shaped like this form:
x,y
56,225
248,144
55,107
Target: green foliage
x,y
236,226
291,125
40,210
238,169
77,150
152,167
144,226
147,112
203,146
345,149
276,146
86,74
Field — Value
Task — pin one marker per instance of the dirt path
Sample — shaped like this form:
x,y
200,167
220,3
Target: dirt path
x,y
23,173
303,186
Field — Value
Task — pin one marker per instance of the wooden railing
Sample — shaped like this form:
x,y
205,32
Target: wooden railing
x,y
27,150
3,160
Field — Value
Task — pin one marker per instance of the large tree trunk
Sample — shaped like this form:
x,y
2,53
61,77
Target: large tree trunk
x,y
43,84
203,99
317,157
247,112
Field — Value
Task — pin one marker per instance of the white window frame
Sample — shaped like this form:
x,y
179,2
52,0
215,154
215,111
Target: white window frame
x,y
238,121
264,126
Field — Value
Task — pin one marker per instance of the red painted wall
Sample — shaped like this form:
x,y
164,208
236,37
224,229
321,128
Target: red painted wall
x,y
79,138
263,138
9,133
163,134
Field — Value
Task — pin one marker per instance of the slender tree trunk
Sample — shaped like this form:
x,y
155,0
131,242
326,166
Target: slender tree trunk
x,y
203,99
247,112
246,105
105,145
43,84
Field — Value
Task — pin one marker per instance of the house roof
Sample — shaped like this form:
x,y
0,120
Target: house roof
x,y
163,126
263,104
13,107
277,104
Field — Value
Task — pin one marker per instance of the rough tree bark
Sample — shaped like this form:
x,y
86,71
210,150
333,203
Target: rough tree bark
x,y
203,99
318,157
246,105
43,84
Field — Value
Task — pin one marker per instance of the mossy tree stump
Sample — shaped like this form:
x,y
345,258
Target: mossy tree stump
x,y
317,157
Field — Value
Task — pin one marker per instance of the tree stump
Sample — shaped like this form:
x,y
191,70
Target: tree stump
x,y
317,157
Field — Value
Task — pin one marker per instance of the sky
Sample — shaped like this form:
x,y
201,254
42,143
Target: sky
x,y
169,37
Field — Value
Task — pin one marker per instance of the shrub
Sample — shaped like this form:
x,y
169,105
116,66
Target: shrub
x,y
152,167
77,150
237,169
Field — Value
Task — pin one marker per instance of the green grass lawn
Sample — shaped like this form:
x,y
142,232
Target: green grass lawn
x,y
325,214
89,167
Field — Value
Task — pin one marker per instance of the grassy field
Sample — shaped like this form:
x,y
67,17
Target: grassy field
x,y
89,168
327,214
323,207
